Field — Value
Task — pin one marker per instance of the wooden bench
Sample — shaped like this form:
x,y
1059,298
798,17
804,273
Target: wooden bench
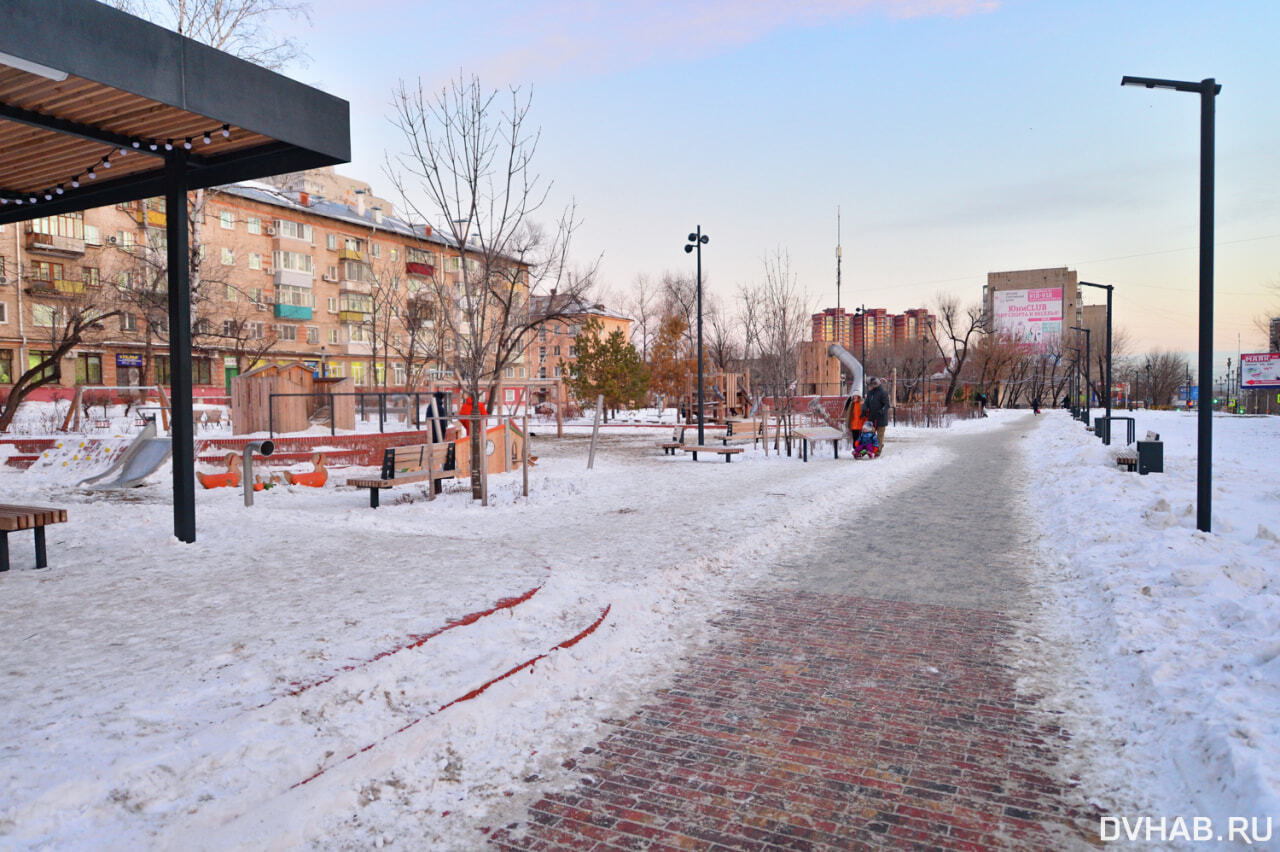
x,y
677,441
1128,459
742,432
14,518
819,433
410,463
727,452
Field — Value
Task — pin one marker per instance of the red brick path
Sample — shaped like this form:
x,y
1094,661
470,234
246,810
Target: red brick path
x,y
825,722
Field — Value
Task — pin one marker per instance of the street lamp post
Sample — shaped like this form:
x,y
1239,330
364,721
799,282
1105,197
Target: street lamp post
x,y
1088,393
696,241
1106,432
861,311
1208,90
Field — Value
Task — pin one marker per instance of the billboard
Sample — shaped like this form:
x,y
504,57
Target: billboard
x,y
1260,370
1029,316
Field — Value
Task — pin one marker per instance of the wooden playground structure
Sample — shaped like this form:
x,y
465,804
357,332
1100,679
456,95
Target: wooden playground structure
x,y
725,397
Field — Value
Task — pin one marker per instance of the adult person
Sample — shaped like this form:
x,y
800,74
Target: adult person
x,y
876,408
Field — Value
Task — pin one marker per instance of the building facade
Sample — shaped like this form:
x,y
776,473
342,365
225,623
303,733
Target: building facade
x,y
280,275
1034,306
871,329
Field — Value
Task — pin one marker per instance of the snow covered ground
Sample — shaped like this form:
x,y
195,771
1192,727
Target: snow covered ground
x,y
1175,684
312,672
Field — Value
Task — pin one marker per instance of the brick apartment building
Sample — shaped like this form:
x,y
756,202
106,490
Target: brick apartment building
x,y
286,274
872,329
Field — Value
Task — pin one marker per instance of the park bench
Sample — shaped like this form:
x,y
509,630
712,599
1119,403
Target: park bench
x,y
743,432
677,441
727,452
819,433
1148,457
13,518
1127,459
410,463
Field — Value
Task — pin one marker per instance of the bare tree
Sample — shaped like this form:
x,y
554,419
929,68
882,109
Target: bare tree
x,y
74,311
958,328
468,164
775,318
643,307
720,337
239,27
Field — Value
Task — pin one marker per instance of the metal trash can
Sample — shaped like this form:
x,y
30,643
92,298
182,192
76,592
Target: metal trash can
x,y
1150,457
1097,427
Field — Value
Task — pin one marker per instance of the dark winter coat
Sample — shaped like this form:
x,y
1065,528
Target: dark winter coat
x,y
876,406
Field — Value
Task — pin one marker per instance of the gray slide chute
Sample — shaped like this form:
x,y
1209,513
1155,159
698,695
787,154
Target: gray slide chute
x,y
849,364
140,460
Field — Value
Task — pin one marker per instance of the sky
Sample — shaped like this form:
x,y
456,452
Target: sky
x,y
955,137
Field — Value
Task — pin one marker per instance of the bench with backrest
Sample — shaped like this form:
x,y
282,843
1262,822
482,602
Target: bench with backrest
x,y
410,463
743,432
13,518
677,441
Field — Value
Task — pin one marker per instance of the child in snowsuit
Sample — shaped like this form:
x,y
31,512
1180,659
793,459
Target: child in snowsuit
x,y
867,443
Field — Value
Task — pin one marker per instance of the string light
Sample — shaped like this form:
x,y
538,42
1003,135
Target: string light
x,y
105,163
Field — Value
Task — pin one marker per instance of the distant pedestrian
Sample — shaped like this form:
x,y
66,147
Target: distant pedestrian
x,y
1035,404
876,408
981,400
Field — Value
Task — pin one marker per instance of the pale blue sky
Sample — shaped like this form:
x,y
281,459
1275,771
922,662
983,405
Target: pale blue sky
x,y
958,137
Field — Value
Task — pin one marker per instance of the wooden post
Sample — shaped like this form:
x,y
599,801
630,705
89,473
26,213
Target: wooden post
x,y
483,425
431,470
595,431
72,420
559,409
164,407
524,451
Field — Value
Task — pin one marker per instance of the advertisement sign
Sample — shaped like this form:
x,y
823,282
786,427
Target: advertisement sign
x,y
1260,370
128,360
1029,316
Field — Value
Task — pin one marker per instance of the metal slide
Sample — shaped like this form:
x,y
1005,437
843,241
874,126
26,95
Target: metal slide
x,y
849,364
140,460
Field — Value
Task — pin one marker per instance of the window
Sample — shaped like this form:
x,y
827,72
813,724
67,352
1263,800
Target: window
x,y
355,302
124,240
333,335
542,352
416,255
573,352
92,235
255,294
228,257
313,334
555,372
256,331
68,225
331,272
336,368
124,281
393,257
455,264
232,294
357,372
230,328
542,334
163,375
202,371
299,296
6,365
573,330
89,368
4,313
555,350
297,230
90,275
255,260
45,316
509,373
203,326
253,225
46,271
227,220
375,249
397,371
128,322
357,333
35,359
331,242
333,305
542,372
287,332
354,270
292,260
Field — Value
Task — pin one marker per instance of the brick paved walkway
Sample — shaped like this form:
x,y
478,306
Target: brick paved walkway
x,y
848,708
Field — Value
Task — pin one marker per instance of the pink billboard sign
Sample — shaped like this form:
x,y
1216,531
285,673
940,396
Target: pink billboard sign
x,y
1260,370
1029,316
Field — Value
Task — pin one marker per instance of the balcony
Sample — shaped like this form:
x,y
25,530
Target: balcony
x,y
151,218
426,270
51,244
294,279
346,285
60,288
294,312
349,254
352,316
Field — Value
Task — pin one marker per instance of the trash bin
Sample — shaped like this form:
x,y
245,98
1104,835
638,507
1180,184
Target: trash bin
x,y
1150,457
1097,427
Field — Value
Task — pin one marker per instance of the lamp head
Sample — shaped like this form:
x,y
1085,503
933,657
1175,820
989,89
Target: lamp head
x,y
705,239
688,249
693,238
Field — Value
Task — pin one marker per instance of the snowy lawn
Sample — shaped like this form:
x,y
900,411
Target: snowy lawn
x,y
1179,631
287,679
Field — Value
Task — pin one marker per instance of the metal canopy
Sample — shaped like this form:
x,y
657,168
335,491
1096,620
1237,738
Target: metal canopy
x,y
99,107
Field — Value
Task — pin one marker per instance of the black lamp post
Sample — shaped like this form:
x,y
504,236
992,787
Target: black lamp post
x,y
1208,90
1075,383
1088,393
1106,432
696,241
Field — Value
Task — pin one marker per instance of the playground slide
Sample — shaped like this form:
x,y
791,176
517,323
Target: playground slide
x,y
848,363
144,455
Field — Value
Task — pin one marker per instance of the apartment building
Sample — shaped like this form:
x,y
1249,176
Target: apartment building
x,y
872,328
283,275
555,342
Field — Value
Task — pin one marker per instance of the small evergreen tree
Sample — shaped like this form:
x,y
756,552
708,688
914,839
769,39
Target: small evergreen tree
x,y
608,366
